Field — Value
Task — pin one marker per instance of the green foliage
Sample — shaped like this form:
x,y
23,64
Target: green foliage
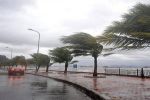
x,y
60,55
30,61
80,40
133,30
83,44
40,59
18,60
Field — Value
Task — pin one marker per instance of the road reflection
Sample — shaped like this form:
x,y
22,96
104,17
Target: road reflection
x,y
31,87
95,84
15,78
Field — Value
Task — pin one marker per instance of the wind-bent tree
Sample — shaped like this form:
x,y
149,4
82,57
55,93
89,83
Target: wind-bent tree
x,y
84,44
41,60
61,55
133,31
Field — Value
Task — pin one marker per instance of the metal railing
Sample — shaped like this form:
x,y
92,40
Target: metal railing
x,y
128,71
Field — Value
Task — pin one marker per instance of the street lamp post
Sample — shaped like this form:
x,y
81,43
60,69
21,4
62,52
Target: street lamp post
x,y
38,39
38,46
10,52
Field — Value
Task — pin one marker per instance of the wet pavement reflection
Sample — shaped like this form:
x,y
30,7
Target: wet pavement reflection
x,y
111,87
31,87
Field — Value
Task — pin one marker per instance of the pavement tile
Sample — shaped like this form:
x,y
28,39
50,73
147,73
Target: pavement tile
x,y
114,87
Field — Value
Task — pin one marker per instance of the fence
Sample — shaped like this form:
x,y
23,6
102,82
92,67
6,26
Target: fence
x,y
128,71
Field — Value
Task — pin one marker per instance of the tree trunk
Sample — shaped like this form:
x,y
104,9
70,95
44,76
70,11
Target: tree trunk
x,y
25,67
37,68
47,67
142,73
95,66
66,66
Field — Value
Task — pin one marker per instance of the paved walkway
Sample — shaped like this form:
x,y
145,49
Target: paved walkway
x,y
112,87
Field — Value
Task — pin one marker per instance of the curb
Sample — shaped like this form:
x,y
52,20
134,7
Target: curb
x,y
91,93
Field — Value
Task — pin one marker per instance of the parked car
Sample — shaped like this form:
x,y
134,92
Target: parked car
x,y
16,71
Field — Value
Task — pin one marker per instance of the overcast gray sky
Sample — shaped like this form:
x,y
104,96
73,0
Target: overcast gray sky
x,y
56,18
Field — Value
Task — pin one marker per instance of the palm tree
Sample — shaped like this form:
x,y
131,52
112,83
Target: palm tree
x,y
84,44
132,32
61,55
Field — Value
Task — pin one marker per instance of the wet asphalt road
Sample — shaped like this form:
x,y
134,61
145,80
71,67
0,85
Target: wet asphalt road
x,y
31,87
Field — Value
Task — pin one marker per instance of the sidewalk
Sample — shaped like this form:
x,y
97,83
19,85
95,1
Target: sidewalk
x,y
111,87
